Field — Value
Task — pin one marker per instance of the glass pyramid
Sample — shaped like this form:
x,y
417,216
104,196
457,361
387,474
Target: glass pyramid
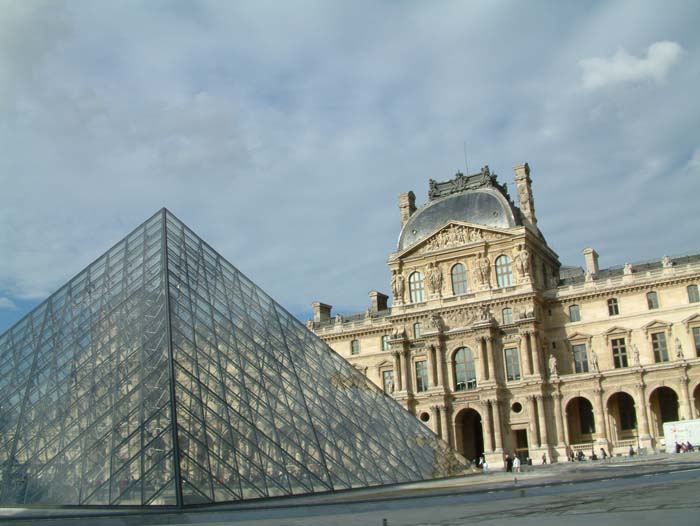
x,y
161,375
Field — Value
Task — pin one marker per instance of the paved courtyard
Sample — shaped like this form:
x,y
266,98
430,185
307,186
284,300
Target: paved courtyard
x,y
642,491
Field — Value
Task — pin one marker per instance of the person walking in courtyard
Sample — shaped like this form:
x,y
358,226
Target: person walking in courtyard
x,y
516,464
509,464
544,458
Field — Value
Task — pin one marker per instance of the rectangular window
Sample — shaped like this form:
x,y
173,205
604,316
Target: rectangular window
x,y
354,347
652,300
417,330
693,294
385,343
619,353
388,379
507,316
580,358
613,307
696,340
658,342
574,313
421,376
512,364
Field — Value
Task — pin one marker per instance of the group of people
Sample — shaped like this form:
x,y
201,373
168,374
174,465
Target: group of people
x,y
580,456
512,464
684,448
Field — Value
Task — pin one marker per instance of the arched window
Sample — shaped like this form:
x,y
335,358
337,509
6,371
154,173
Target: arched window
x,y
465,372
507,316
504,271
415,287
459,279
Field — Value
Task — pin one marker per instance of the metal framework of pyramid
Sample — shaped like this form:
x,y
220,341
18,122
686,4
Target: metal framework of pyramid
x,y
161,375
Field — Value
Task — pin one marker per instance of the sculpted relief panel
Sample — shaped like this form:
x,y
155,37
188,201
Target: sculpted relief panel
x,y
457,235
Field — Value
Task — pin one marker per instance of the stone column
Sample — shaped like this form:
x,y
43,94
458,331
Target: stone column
x,y
544,440
486,421
434,418
491,360
686,411
599,416
534,346
528,353
439,363
431,366
497,437
532,422
558,420
397,371
525,353
444,424
641,410
483,370
407,377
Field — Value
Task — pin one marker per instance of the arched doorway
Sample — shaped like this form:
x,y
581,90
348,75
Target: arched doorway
x,y
664,407
623,420
696,401
470,435
580,421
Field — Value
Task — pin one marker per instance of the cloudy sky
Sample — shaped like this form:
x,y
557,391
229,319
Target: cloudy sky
x,y
282,132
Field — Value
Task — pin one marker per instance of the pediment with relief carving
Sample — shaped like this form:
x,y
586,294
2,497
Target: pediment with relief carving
x,y
456,234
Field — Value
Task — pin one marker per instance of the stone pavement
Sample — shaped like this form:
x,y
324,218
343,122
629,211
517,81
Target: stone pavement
x,y
576,489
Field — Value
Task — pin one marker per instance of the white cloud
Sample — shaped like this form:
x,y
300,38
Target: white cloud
x,y
624,68
7,303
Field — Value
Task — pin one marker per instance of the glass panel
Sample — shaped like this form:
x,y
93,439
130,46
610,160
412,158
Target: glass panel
x,y
512,364
459,279
580,358
465,371
619,353
416,288
574,313
504,272
658,343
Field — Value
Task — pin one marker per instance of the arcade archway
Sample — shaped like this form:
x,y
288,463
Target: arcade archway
x,y
470,435
579,420
623,418
664,407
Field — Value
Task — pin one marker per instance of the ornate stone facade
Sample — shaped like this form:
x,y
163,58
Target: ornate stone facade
x,y
498,348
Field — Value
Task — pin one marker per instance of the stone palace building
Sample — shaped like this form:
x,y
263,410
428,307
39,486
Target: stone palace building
x,y
498,348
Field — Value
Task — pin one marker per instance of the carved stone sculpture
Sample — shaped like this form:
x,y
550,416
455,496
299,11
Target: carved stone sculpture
x,y
594,361
435,321
434,275
635,356
483,268
666,262
484,313
522,264
553,365
627,270
679,349
397,286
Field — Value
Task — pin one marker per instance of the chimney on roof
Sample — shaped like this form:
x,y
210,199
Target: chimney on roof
x,y
407,205
322,312
591,261
523,184
378,301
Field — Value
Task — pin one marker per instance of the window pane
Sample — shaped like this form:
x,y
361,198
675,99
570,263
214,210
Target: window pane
x,y
658,342
652,300
619,353
504,272
417,330
574,313
693,294
459,279
421,376
415,287
507,316
512,364
696,339
355,347
580,358
385,343
613,308
465,371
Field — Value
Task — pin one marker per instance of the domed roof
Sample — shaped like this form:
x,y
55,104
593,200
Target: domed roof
x,y
484,206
